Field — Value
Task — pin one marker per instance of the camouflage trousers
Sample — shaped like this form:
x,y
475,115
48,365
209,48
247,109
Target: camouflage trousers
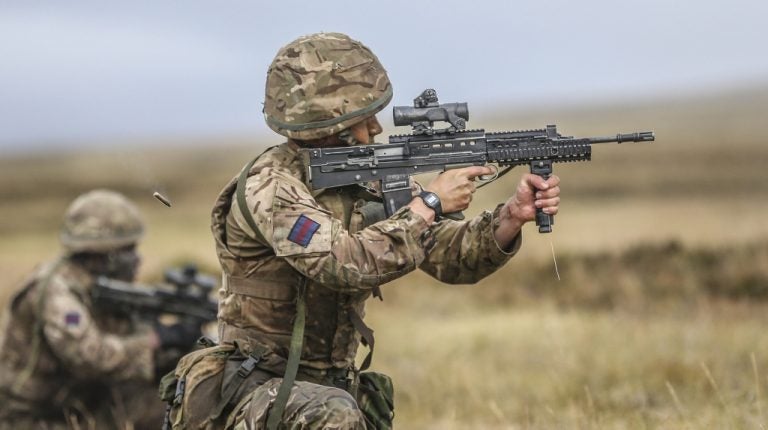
x,y
310,406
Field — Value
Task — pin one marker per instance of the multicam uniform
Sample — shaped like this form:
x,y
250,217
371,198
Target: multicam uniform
x,y
63,364
320,236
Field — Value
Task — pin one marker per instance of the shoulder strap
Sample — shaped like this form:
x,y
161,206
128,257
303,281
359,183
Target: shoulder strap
x,y
294,356
297,334
241,202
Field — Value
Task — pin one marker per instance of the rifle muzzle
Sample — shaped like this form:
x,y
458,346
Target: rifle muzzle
x,y
642,136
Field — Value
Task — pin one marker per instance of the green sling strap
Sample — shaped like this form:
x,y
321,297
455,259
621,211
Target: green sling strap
x,y
297,335
241,203
294,356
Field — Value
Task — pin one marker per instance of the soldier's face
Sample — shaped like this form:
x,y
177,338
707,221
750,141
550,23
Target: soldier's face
x,y
123,263
361,133
365,131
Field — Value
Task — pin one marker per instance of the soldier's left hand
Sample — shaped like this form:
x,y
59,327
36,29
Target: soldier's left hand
x,y
532,192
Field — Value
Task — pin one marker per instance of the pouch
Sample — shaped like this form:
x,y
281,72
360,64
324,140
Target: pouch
x,y
194,386
375,397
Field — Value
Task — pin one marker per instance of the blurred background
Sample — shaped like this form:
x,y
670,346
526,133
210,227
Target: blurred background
x,y
657,318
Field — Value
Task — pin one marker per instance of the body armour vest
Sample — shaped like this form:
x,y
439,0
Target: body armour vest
x,y
258,295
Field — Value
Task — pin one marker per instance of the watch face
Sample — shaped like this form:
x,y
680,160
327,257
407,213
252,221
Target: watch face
x,y
432,199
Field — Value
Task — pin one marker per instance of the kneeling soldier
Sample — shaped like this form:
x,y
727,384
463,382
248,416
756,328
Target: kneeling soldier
x,y
65,363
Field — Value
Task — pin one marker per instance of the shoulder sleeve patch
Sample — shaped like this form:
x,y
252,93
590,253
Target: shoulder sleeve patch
x,y
72,319
303,230
299,225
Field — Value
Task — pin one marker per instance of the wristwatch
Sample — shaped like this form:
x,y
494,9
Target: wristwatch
x,y
432,202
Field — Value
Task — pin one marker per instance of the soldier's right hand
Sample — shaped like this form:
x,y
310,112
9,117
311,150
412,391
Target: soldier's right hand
x,y
178,335
455,187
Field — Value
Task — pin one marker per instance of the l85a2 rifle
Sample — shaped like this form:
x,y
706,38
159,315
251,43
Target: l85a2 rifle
x,y
428,149
185,293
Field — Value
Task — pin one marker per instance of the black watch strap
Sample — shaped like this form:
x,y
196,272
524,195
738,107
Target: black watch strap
x,y
433,202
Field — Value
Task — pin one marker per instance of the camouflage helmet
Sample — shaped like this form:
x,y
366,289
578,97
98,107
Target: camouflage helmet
x,y
321,84
101,221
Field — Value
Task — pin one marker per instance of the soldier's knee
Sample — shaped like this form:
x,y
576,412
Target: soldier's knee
x,y
335,410
343,405
338,397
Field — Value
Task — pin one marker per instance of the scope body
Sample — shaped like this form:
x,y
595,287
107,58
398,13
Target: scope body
x,y
407,115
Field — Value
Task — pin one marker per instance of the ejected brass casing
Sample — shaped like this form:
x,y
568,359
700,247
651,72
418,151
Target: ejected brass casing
x,y
164,200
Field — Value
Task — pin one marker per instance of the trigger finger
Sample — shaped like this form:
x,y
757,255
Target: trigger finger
x,y
477,171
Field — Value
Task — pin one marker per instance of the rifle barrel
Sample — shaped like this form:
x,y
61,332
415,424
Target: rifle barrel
x,y
643,136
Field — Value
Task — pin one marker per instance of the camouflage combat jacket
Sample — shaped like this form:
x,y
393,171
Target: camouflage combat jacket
x,y
58,354
319,235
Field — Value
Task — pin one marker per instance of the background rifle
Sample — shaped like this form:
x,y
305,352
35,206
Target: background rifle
x,y
428,149
185,294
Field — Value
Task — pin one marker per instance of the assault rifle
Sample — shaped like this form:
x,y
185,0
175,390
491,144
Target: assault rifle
x,y
428,149
185,293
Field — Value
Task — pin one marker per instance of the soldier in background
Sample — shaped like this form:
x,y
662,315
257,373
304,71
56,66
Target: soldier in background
x,y
299,264
65,363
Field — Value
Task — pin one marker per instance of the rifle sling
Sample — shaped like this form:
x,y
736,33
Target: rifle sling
x,y
294,356
241,202
297,335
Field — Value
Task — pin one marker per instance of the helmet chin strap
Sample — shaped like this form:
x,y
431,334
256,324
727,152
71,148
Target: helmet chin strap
x,y
342,138
348,138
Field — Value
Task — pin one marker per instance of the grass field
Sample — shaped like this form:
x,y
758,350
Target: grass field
x,y
545,368
657,321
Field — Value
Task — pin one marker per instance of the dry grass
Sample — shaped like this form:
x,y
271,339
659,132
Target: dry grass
x,y
542,368
544,356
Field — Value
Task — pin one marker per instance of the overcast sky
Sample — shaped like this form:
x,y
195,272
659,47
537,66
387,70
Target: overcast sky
x,y
82,71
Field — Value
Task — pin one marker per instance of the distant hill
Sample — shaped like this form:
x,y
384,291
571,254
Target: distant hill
x,y
734,117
